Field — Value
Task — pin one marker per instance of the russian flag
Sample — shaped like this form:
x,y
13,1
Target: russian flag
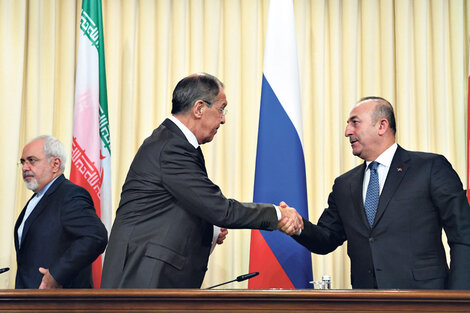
x,y
280,164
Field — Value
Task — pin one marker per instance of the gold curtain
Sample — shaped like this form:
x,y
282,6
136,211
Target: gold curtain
x,y
412,52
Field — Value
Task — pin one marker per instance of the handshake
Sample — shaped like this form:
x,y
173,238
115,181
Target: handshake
x,y
291,222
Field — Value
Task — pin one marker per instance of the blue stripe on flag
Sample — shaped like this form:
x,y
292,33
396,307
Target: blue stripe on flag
x,y
280,176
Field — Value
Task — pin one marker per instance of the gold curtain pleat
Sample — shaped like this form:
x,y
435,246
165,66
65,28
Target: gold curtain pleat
x,y
412,52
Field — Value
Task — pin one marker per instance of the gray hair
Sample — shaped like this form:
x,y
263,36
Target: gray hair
x,y
199,86
53,148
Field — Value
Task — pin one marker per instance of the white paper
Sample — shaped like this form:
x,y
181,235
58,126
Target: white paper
x,y
215,236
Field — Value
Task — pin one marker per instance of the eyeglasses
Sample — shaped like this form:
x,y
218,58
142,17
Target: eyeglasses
x,y
29,160
222,111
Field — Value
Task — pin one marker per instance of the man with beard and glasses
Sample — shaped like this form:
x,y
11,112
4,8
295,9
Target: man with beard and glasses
x,y
58,234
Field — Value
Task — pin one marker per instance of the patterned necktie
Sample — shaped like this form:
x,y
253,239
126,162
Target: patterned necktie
x,y
372,195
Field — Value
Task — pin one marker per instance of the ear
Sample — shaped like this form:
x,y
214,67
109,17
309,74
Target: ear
x,y
383,126
198,109
56,164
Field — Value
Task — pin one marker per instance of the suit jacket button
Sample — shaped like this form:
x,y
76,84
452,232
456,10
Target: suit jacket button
x,y
371,240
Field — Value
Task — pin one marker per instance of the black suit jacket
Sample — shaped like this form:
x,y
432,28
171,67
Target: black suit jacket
x,y
64,234
403,249
162,233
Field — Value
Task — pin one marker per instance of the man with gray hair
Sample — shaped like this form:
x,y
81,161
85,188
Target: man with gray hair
x,y
164,226
58,234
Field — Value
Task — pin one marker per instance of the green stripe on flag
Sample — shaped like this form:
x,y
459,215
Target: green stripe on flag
x,y
92,26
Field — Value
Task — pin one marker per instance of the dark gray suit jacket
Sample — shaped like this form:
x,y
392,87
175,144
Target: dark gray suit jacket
x,y
162,233
422,195
64,234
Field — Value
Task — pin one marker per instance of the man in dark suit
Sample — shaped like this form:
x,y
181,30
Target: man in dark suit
x,y
392,209
58,234
162,234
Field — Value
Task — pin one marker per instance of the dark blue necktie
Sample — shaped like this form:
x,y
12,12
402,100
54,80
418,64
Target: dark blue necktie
x,y
199,152
372,195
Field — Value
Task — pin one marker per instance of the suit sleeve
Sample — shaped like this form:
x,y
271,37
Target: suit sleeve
x,y
450,198
87,236
328,234
183,174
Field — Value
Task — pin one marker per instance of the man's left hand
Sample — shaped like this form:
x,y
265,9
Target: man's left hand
x,y
48,282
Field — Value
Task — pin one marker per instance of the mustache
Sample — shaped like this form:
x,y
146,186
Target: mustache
x,y
352,138
28,173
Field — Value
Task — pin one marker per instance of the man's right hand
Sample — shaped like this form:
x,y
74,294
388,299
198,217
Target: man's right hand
x,y
291,221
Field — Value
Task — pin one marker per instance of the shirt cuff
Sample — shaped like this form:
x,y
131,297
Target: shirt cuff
x,y
278,212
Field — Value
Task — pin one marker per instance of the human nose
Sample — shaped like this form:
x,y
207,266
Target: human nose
x,y
25,166
222,119
347,131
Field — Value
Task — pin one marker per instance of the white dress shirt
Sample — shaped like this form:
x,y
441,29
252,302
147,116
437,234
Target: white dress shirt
x,y
31,205
187,133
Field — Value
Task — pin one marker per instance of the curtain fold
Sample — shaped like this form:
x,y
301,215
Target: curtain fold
x,y
414,53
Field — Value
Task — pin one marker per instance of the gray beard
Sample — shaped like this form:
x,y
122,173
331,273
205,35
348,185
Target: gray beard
x,y
32,184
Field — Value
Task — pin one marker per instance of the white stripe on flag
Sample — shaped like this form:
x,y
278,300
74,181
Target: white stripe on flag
x,y
280,60
91,155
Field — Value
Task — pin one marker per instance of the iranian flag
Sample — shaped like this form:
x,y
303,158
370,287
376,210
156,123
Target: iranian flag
x,y
91,152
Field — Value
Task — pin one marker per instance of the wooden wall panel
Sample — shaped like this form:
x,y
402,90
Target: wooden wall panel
x,y
178,300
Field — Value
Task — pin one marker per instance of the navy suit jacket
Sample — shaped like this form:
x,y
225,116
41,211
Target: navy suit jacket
x,y
403,249
161,237
64,234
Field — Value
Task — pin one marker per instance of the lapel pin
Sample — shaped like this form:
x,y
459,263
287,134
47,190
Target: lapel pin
x,y
399,169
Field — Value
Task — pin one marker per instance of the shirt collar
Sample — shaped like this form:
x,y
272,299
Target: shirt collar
x,y
187,133
43,190
386,157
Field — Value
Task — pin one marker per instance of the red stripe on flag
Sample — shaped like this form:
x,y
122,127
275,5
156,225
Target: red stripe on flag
x,y
85,174
97,269
262,260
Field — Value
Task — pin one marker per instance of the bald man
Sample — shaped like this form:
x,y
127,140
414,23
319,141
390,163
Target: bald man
x,y
392,209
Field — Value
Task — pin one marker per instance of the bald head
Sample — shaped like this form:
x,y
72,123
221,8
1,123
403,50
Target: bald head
x,y
383,109
371,127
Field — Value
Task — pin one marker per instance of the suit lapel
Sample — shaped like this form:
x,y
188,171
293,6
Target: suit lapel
x,y
19,220
356,193
175,129
40,206
395,175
